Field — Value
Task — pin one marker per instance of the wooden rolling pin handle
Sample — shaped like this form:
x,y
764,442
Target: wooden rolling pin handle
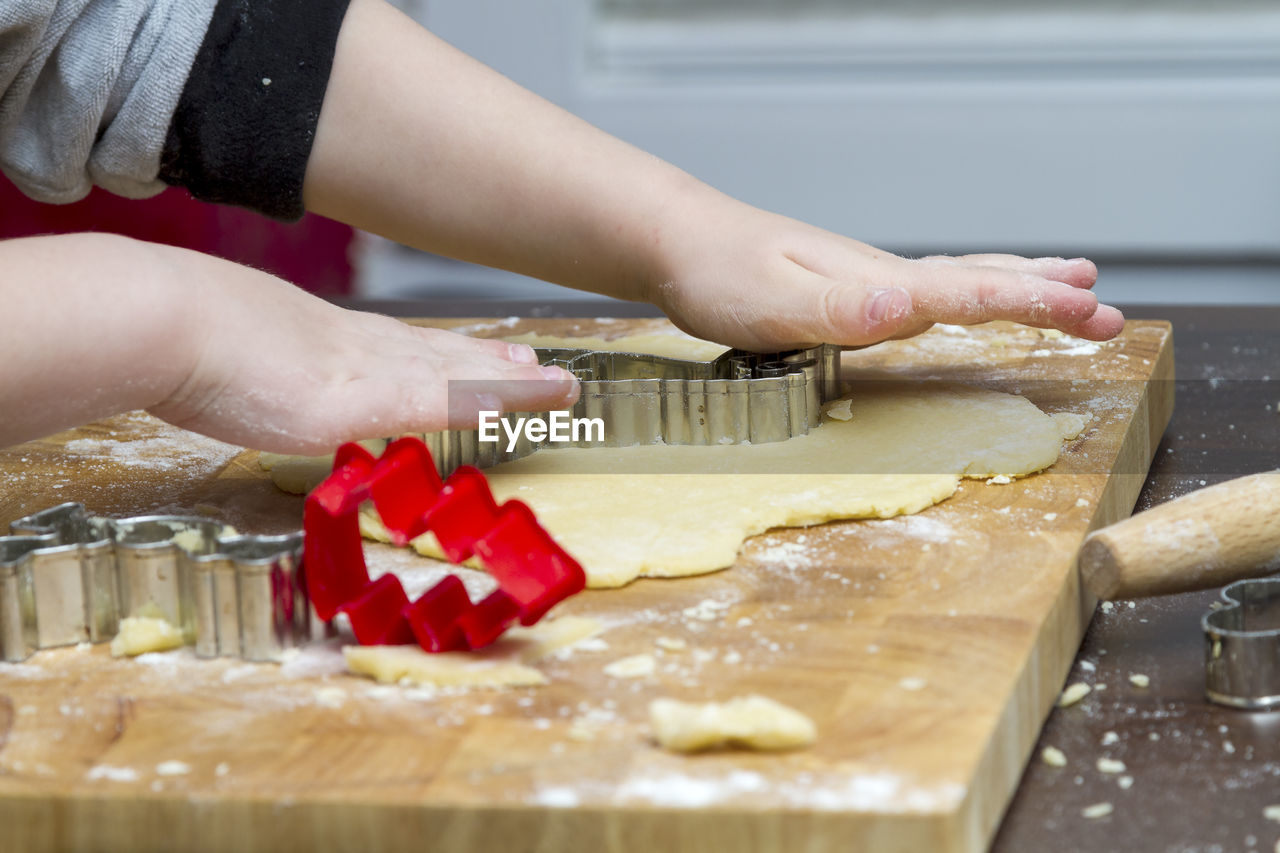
x,y
1208,538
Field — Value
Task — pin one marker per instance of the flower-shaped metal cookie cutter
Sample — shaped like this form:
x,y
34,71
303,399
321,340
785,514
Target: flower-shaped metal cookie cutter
x,y
736,398
68,577
1242,646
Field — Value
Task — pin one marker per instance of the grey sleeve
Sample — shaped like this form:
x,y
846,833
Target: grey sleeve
x,y
88,89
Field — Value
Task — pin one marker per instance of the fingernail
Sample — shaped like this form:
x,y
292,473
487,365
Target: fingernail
x,y
888,305
557,373
522,354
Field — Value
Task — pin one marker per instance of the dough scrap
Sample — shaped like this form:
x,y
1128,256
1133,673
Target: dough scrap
x,y
140,634
751,722
394,664
672,511
504,664
1070,424
635,666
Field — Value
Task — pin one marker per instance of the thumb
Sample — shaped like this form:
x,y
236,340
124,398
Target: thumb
x,y
866,315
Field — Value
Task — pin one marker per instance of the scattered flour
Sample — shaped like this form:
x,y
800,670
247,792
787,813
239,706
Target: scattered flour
x,y
681,791
23,670
1076,346
880,791
789,555
330,697
168,448
314,660
112,774
173,768
557,797
707,610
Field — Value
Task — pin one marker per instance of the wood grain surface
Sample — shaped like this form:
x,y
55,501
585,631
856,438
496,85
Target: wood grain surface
x,y
927,649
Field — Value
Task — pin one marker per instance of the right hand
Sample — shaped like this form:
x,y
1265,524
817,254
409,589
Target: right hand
x,y
278,369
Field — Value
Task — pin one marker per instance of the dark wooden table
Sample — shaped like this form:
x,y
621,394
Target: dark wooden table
x,y
1198,776
1202,774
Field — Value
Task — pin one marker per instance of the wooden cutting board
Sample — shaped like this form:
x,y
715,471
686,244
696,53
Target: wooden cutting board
x,y
928,650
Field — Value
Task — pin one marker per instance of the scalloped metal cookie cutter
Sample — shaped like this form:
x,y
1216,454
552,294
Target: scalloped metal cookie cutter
x,y
68,577
1242,646
738,397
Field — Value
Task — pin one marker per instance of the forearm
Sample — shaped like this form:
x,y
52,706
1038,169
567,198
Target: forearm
x,y
98,325
95,325
422,144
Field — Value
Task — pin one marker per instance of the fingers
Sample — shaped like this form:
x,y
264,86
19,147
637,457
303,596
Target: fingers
x,y
532,389
308,392
1077,272
966,290
950,293
474,374
395,401
1104,325
425,395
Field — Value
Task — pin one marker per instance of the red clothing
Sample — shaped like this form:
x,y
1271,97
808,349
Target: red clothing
x,y
312,253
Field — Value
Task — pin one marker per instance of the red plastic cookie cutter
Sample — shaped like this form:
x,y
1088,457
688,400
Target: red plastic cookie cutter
x,y
533,572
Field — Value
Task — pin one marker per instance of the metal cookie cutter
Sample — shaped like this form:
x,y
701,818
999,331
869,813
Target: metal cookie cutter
x,y
1242,646
736,398
67,577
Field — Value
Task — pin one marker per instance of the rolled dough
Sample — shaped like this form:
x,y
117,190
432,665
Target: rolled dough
x,y
751,722
670,511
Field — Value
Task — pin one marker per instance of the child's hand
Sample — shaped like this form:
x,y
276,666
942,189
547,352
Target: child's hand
x,y
760,281
232,352
479,169
281,370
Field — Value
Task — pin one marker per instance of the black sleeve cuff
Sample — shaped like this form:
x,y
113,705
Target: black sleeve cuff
x,y
247,117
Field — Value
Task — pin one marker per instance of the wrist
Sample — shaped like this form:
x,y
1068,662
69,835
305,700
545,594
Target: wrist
x,y
189,300
99,329
686,223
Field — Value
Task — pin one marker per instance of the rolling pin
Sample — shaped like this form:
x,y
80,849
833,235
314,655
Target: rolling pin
x,y
1208,538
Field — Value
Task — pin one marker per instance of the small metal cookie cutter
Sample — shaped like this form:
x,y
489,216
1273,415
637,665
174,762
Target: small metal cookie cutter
x,y
68,577
1242,646
736,398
